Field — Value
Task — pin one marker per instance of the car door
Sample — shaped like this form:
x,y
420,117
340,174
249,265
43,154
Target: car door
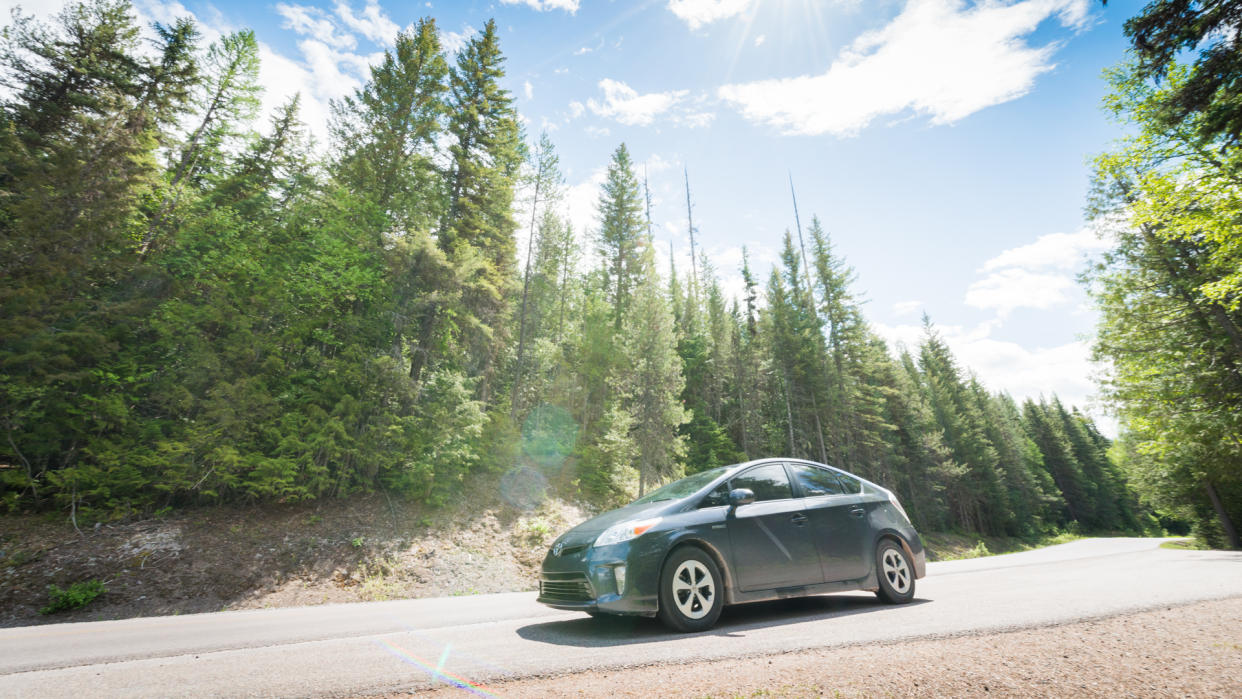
x,y
838,520
771,538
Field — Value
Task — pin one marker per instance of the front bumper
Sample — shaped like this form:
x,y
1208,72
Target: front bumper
x,y
587,581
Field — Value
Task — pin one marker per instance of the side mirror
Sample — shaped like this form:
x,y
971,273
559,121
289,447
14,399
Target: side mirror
x,y
741,496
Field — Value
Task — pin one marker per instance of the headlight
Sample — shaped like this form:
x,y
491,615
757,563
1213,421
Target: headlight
x,y
625,531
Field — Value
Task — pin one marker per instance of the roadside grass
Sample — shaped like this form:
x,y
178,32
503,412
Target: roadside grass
x,y
954,546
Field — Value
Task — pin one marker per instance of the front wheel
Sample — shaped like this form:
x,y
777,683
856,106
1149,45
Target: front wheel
x,y
690,591
895,573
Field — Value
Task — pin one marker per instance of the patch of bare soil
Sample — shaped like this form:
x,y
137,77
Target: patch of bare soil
x,y
210,559
1194,650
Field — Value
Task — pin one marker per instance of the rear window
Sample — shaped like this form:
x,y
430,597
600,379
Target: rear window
x,y
816,481
851,484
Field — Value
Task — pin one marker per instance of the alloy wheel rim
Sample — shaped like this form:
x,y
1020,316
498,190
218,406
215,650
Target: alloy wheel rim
x,y
694,590
896,571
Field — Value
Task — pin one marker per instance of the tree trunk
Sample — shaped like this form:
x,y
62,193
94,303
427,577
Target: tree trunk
x,y
1226,523
419,353
789,418
530,247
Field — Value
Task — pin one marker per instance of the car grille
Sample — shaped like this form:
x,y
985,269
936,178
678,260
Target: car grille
x,y
567,587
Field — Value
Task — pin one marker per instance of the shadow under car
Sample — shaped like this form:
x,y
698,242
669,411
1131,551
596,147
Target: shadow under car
x,y
608,630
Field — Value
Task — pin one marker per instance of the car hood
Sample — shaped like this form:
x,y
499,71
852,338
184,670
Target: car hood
x,y
592,528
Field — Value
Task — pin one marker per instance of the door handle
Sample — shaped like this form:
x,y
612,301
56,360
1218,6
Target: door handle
x,y
858,511
799,519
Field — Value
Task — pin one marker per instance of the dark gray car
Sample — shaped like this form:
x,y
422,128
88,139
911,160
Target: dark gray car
x,y
761,530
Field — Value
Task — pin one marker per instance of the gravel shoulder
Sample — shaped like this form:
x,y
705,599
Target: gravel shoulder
x,y
1191,650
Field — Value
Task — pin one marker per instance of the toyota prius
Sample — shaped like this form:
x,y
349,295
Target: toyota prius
x,y
762,530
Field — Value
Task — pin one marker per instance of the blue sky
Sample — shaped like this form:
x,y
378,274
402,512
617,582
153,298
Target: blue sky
x,y
945,144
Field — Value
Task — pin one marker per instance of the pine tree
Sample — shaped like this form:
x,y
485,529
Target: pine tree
x,y
228,99
385,133
619,240
478,233
1046,430
649,379
546,181
977,501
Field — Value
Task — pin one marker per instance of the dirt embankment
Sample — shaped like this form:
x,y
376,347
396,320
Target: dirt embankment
x,y
210,559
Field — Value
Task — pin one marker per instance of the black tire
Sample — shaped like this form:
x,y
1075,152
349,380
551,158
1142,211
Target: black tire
x,y
895,573
691,591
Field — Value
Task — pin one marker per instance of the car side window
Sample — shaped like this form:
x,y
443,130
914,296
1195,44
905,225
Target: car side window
x,y
816,481
851,484
719,496
768,482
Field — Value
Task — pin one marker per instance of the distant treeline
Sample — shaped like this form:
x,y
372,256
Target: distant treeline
x,y
197,310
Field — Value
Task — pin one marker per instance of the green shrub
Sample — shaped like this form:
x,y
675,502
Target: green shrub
x,y
76,596
979,551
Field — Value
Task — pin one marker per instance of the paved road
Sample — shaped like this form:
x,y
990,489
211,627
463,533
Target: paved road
x,y
393,646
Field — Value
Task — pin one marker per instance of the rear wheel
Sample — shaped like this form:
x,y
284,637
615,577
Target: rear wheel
x,y
895,573
691,593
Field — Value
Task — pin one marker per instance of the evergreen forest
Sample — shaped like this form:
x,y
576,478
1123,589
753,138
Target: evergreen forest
x,y
201,305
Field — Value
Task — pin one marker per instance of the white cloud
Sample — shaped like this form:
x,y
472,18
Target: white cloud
x,y
528,90
455,41
1057,250
940,58
576,109
281,78
696,13
570,6
584,50
42,10
905,308
597,131
1038,275
372,23
313,22
760,39
581,200
1011,288
696,120
623,103
656,163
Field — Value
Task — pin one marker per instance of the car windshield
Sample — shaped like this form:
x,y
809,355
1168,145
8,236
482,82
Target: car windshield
x,y
686,486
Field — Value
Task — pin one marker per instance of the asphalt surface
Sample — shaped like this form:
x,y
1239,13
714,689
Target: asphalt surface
x,y
414,644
